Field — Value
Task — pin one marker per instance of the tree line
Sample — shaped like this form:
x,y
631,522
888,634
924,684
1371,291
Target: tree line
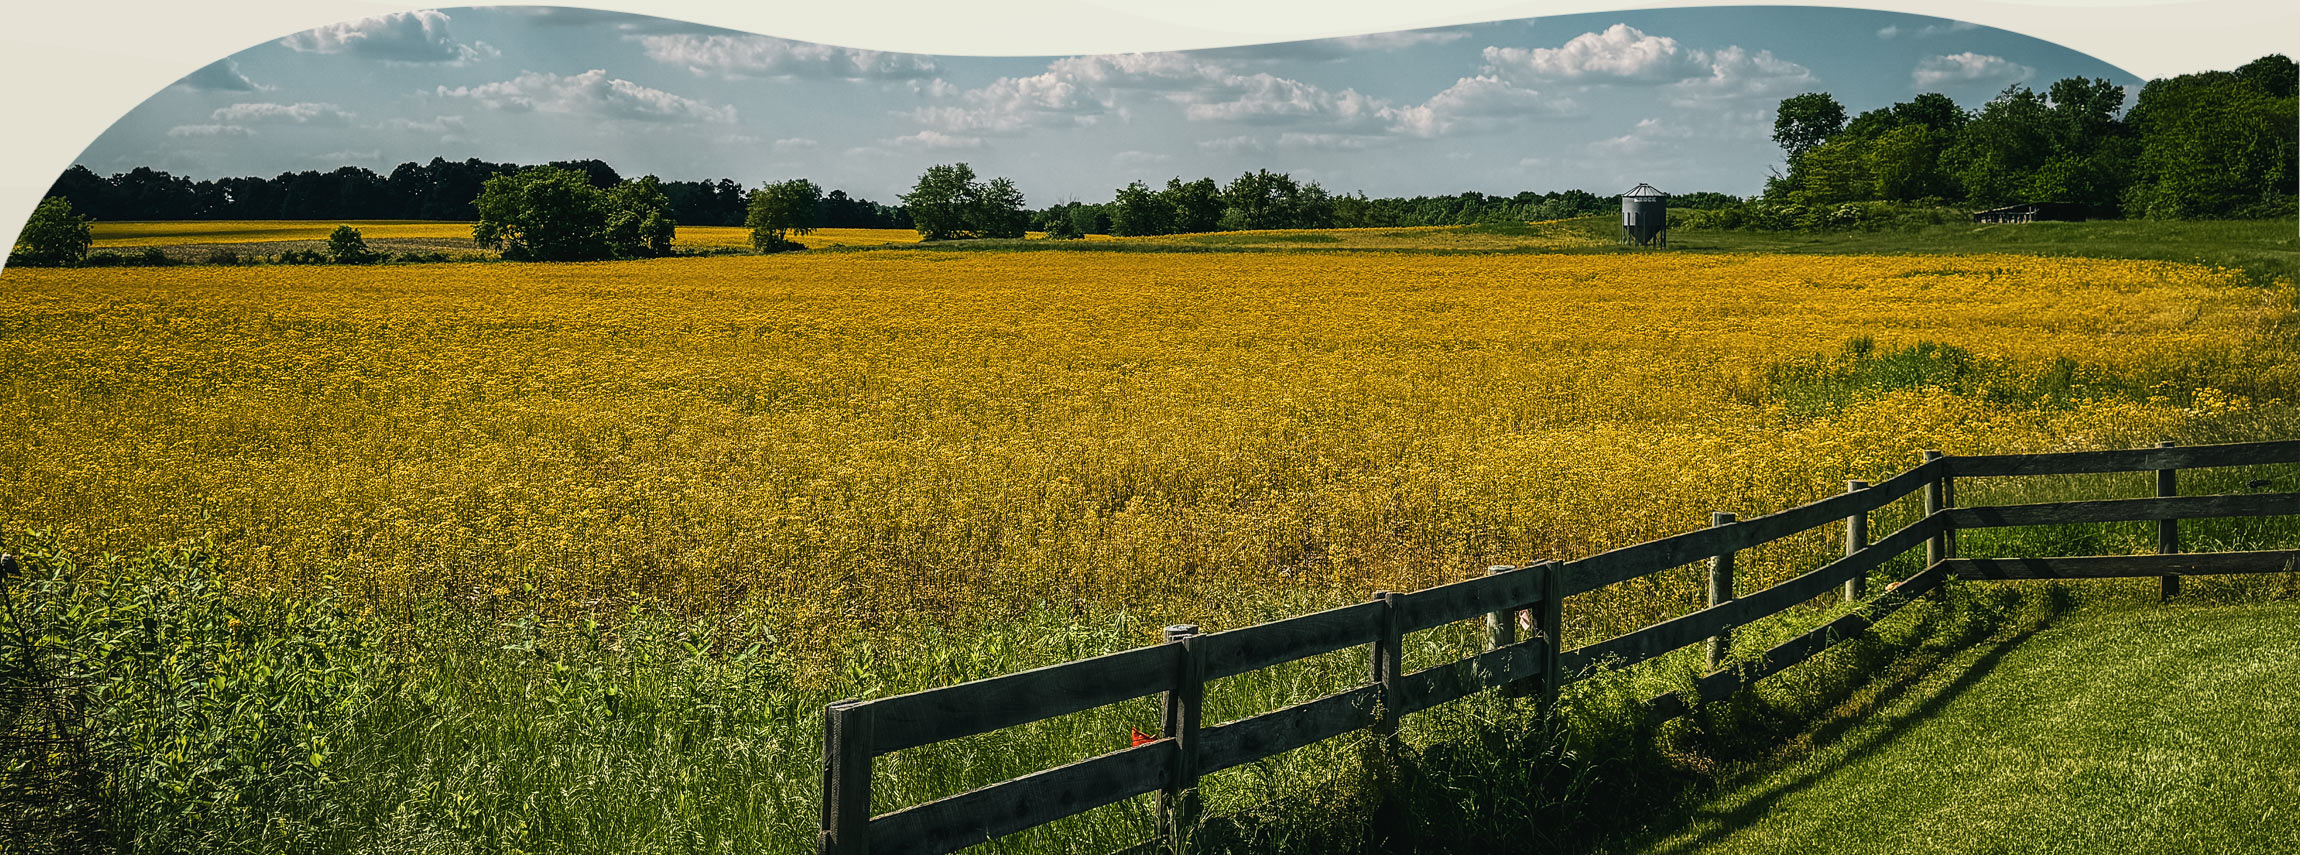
x,y
2218,144
439,190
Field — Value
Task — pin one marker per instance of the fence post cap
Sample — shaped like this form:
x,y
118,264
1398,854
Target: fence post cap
x,y
1181,630
2165,443
1720,517
1498,569
1856,484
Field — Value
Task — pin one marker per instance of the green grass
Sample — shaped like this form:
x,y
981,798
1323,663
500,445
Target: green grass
x,y
2132,728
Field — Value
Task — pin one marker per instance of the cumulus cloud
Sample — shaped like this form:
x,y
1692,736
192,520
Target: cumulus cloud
x,y
223,75
741,56
407,37
214,130
1477,103
1079,91
1624,55
300,113
1968,67
591,93
791,144
1737,73
1621,53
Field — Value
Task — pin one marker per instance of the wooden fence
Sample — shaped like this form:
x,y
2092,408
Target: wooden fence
x,y
857,731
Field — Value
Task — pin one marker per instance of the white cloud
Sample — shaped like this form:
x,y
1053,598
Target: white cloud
x,y
344,157
408,37
1927,31
1621,53
932,140
435,125
740,56
1269,99
1477,103
1737,73
223,75
215,130
1137,159
591,93
1968,67
300,113
791,144
1327,142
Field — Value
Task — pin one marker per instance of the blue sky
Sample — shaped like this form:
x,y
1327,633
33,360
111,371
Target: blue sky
x,y
1682,99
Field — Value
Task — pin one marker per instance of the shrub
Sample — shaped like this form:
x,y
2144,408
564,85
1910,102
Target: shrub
x,y
223,257
345,246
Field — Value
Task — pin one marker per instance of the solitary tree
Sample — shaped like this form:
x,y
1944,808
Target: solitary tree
x,y
346,246
948,203
545,213
781,209
53,237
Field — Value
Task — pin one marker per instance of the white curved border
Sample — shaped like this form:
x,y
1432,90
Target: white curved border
x,y
75,66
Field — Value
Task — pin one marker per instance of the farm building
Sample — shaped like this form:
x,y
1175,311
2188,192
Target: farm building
x,y
1645,216
2031,212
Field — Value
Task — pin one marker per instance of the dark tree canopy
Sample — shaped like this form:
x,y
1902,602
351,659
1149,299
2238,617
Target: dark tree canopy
x,y
1807,120
545,213
53,237
948,203
2215,144
781,209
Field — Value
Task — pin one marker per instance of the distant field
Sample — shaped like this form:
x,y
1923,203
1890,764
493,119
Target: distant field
x,y
116,235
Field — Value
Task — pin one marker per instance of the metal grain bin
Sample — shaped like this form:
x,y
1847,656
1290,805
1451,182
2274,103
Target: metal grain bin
x,y
1645,216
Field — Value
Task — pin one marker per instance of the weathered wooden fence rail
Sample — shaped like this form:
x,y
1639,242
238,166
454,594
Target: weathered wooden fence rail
x,y
857,731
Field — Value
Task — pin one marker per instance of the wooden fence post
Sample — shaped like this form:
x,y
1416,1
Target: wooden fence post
x,y
1856,539
2168,531
1936,500
1550,622
1389,657
1720,592
846,779
1501,631
1178,802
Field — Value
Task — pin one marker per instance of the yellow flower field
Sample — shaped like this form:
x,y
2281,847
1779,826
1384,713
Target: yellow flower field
x,y
857,442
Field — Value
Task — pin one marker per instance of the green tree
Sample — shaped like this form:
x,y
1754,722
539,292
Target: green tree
x,y
1996,153
346,246
998,210
1137,211
2216,144
542,213
1197,205
638,220
1805,121
53,237
781,209
940,202
949,204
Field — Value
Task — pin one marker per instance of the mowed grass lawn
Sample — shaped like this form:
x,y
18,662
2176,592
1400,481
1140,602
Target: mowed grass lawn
x,y
2138,729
